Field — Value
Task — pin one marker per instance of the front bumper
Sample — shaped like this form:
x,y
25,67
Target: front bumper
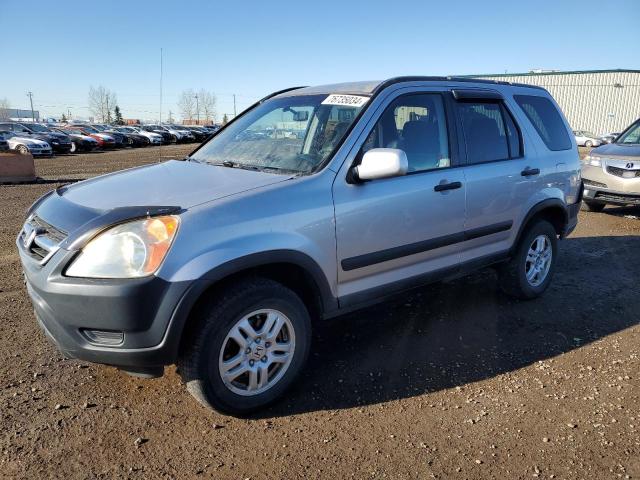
x,y
61,147
602,186
40,152
149,312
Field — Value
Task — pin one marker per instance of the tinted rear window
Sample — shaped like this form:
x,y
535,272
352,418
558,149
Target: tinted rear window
x,y
546,120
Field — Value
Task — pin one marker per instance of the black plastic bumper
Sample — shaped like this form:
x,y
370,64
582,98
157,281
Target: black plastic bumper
x,y
150,312
61,147
572,218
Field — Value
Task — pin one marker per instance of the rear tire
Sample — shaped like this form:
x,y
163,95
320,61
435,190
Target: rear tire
x,y
73,148
22,150
213,345
518,276
593,206
588,144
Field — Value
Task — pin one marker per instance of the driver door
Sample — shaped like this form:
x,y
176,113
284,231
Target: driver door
x,y
393,233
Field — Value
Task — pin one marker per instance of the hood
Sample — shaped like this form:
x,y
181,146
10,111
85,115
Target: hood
x,y
59,136
176,183
618,150
29,140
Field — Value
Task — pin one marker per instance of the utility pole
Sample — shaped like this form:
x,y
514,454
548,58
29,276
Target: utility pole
x,y
234,106
197,110
161,87
33,116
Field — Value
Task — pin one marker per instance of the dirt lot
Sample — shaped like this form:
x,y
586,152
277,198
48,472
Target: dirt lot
x,y
452,381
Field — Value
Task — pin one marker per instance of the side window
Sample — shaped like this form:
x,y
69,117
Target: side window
x,y
546,119
513,135
484,131
414,123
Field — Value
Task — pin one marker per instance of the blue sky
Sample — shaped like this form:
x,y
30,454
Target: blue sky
x,y
58,49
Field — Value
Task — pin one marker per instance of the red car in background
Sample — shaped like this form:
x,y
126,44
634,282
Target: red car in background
x,y
104,140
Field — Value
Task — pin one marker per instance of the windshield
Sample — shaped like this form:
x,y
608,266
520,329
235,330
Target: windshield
x,y
294,133
38,128
631,136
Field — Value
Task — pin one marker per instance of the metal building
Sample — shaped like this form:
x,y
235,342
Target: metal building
x,y
18,115
600,101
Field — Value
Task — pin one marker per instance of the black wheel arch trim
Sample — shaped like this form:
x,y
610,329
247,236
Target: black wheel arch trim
x,y
176,327
549,203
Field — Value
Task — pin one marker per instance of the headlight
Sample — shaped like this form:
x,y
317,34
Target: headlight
x,y
593,161
131,250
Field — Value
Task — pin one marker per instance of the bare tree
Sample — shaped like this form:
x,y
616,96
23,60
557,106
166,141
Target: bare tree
x,y
187,104
207,101
4,109
101,101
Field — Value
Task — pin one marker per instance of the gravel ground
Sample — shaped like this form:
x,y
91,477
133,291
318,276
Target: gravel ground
x,y
454,380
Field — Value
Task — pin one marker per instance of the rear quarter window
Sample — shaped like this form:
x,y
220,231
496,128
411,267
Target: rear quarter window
x,y
546,119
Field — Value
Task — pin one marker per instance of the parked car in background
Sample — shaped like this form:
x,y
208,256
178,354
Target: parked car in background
x,y
80,142
177,136
58,142
27,144
586,139
4,145
132,139
222,262
609,137
121,139
198,135
611,172
166,136
153,138
135,139
104,140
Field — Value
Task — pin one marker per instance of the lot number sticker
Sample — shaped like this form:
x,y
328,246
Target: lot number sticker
x,y
345,100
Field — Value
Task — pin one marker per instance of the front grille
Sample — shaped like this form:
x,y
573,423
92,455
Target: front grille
x,y
40,239
618,198
623,172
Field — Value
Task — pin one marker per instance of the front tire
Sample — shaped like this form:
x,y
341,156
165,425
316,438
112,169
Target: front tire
x,y
249,344
22,150
588,144
593,206
73,148
529,272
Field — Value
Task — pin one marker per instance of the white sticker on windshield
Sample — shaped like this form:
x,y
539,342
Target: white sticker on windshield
x,y
346,100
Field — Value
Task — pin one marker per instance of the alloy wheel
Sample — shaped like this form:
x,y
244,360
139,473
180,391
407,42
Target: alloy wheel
x,y
538,260
257,352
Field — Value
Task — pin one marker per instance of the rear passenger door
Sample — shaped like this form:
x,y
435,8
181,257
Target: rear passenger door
x,y
501,174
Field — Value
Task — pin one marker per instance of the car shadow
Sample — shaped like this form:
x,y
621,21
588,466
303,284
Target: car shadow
x,y
453,333
626,211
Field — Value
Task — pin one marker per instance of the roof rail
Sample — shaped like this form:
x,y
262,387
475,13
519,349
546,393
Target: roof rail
x,y
417,78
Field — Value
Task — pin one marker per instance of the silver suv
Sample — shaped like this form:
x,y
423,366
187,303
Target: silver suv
x,y
313,202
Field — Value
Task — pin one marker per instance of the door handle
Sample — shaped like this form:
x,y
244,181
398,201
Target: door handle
x,y
447,186
527,172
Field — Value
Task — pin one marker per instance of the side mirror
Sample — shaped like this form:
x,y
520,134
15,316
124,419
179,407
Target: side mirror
x,y
382,163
